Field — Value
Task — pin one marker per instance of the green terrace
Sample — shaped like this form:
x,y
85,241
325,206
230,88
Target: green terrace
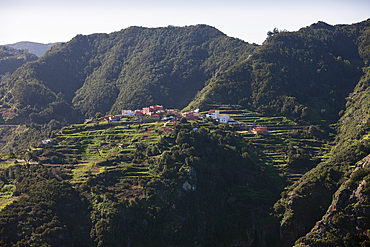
x,y
282,134
90,149
94,148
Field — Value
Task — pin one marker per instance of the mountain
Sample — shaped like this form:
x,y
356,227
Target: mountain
x,y
38,49
322,203
129,69
305,74
305,183
192,187
11,59
347,209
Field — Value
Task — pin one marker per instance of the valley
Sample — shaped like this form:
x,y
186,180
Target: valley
x,y
284,163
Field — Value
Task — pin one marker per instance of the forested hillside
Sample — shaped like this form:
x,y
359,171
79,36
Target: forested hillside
x,y
11,59
129,69
305,74
348,209
191,187
338,185
304,182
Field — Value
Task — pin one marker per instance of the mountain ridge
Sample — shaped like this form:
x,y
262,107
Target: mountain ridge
x,y
132,68
36,48
317,76
293,72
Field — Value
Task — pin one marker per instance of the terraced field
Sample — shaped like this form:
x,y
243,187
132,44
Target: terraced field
x,y
94,148
282,132
90,149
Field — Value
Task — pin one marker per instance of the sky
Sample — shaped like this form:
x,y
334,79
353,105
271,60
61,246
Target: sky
x,y
48,21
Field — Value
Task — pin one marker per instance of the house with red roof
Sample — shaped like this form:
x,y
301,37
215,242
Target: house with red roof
x,y
259,130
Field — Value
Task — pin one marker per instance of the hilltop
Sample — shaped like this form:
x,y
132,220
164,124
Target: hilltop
x,y
11,59
38,49
305,74
293,171
127,69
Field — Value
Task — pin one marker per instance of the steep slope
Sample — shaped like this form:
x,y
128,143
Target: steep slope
x,y
305,202
346,223
305,74
346,220
38,49
11,59
188,188
132,68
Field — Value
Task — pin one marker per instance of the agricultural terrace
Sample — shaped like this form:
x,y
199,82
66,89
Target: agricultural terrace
x,y
87,150
290,148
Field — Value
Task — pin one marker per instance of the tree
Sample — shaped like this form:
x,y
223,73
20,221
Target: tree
x,y
183,120
274,32
99,115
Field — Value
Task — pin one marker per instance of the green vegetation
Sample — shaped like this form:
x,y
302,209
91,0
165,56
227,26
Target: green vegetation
x,y
309,198
11,59
131,183
130,69
177,188
208,175
305,74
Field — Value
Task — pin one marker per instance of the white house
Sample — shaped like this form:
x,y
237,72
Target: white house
x,y
215,114
224,118
128,113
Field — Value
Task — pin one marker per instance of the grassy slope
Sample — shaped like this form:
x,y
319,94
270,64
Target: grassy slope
x,y
89,151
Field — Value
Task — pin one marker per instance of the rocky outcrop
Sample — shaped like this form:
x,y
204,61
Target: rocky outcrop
x,y
347,219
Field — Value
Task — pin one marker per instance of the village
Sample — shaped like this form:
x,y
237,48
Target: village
x,y
159,113
99,141
169,117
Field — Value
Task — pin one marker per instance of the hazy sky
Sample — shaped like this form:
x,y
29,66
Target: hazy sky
x,y
48,21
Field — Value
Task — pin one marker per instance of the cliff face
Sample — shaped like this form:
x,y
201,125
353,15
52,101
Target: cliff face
x,y
302,207
306,202
347,220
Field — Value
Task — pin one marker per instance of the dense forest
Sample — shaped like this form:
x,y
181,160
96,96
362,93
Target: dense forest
x,y
193,183
130,69
293,73
203,189
11,59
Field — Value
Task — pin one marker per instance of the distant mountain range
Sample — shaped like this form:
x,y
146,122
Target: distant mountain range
x,y
38,49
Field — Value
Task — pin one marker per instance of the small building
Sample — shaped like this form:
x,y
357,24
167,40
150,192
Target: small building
x,y
190,115
150,109
89,120
122,145
48,141
155,115
167,130
128,113
259,130
147,110
225,119
139,113
214,113
157,108
173,112
114,118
